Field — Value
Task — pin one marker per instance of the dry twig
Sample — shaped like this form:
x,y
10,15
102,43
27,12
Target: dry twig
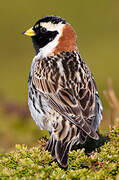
x,y
112,101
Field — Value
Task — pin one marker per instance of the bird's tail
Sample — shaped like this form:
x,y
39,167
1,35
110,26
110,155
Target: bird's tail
x,y
61,140
59,150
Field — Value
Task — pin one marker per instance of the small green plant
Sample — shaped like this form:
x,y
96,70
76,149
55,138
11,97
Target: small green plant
x,y
36,163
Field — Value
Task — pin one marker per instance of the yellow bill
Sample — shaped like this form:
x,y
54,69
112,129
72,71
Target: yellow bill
x,y
30,32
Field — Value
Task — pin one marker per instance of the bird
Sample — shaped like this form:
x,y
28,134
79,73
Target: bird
x,y
62,93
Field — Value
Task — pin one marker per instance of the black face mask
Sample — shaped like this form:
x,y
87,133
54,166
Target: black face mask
x,y
42,38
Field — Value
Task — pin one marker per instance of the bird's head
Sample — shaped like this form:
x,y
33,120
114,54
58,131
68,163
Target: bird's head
x,y
52,35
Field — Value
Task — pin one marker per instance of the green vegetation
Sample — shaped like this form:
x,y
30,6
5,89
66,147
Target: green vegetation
x,y
97,28
36,163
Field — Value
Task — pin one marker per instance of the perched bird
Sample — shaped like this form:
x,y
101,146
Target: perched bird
x,y
62,94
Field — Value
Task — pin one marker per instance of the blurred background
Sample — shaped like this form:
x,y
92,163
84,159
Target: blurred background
x,y
97,26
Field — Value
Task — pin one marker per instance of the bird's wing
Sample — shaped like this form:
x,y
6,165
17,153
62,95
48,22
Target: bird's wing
x,y
75,104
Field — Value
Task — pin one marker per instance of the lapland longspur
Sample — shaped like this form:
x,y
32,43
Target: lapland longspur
x,y
62,95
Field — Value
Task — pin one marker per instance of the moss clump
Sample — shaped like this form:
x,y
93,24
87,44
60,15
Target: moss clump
x,y
36,163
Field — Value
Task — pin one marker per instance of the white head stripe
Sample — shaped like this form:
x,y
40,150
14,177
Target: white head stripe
x,y
52,27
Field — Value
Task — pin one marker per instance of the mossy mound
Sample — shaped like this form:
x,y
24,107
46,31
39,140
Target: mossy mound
x,y
36,163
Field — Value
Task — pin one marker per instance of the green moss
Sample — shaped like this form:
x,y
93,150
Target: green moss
x,y
36,163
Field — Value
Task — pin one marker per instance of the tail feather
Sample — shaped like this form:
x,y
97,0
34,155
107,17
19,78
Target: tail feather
x,y
59,150
64,136
51,145
62,150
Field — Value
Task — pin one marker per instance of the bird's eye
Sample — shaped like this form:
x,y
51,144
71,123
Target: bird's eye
x,y
36,26
43,30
